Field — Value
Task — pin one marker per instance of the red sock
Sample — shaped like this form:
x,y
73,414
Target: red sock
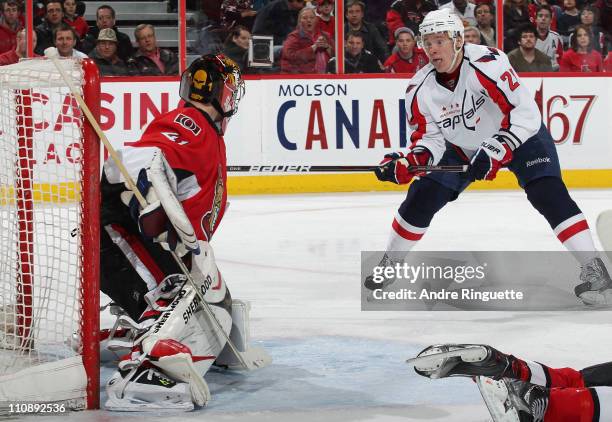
x,y
570,405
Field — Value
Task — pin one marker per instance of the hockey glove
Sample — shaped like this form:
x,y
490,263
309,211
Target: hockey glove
x,y
492,155
395,167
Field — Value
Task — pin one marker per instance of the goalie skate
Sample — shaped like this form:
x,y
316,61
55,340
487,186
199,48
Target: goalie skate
x,y
448,360
512,400
146,389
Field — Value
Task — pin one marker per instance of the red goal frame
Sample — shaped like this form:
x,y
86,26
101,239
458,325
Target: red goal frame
x,y
89,229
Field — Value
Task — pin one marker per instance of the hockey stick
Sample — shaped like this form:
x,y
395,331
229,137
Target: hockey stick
x,y
52,54
337,169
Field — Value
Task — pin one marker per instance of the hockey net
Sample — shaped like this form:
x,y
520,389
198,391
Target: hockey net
x,y
49,207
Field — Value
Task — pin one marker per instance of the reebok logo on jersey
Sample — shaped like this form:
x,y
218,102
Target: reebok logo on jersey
x,y
539,160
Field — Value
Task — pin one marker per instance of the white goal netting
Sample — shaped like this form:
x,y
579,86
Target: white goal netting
x,y
41,243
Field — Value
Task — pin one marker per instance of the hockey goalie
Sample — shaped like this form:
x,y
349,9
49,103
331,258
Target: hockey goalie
x,y
179,166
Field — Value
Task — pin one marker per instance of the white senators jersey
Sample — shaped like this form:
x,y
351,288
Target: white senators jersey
x,y
488,99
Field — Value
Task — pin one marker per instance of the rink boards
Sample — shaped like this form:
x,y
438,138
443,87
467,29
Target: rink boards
x,y
345,121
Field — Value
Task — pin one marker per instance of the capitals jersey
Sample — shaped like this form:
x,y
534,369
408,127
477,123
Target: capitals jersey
x,y
488,99
552,46
195,150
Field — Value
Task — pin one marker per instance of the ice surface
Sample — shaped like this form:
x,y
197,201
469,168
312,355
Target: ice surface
x,y
296,258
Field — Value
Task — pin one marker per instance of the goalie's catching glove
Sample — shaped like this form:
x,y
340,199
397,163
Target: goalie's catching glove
x,y
395,167
492,155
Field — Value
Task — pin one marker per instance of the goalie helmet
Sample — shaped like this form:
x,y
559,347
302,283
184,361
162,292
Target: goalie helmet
x,y
216,80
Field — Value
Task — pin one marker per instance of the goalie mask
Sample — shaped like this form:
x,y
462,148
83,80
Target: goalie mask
x,y
216,80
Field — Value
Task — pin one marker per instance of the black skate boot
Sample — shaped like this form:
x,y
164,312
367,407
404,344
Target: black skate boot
x,y
490,363
372,284
596,286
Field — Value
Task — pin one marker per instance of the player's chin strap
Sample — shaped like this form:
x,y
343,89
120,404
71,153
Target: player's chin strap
x,y
455,57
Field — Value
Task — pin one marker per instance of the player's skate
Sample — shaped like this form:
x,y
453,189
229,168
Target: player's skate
x,y
145,388
371,284
512,400
596,286
448,360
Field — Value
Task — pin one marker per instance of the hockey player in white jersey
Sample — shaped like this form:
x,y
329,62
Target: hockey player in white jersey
x,y
469,106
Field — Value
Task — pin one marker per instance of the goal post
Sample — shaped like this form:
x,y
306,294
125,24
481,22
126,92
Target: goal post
x,y
49,234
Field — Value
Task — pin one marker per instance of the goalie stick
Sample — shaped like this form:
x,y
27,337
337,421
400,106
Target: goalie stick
x,y
337,169
52,54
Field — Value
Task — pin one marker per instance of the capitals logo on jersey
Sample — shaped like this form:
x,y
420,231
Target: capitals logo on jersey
x,y
209,220
454,114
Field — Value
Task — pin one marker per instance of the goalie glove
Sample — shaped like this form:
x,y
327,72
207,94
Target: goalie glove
x,y
395,167
492,155
163,220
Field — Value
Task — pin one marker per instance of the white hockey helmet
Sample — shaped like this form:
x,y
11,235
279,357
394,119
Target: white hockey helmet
x,y
441,21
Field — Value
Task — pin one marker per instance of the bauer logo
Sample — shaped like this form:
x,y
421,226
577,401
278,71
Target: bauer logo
x,y
188,123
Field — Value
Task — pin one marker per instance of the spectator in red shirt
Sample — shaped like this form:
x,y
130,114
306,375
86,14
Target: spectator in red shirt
x,y
71,18
406,58
607,65
307,49
581,57
13,56
9,26
327,22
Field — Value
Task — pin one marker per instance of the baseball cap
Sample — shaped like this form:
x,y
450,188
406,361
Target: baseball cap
x,y
107,34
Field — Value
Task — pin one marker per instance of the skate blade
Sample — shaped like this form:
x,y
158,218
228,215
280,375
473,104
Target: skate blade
x,y
495,395
133,405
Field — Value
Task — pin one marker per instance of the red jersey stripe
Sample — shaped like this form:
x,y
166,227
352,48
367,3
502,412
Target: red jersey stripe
x,y
497,95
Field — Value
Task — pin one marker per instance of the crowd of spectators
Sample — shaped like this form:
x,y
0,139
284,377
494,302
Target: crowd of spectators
x,y
61,25
380,35
533,31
